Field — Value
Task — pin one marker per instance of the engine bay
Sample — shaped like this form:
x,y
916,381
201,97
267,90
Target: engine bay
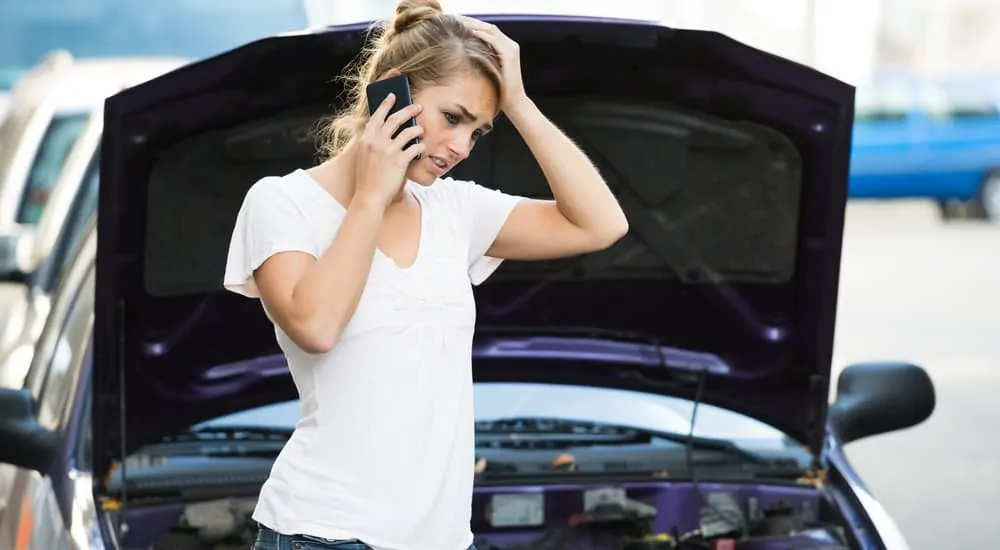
x,y
631,516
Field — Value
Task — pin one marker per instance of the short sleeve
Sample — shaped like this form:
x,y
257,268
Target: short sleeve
x,y
489,210
269,222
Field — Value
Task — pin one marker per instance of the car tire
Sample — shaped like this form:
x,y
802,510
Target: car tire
x,y
988,202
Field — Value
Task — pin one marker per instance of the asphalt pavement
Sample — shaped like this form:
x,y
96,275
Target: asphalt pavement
x,y
914,288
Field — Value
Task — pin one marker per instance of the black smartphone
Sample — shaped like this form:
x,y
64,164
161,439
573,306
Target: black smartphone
x,y
398,85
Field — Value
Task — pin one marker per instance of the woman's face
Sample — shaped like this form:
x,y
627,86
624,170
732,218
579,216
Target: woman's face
x,y
454,118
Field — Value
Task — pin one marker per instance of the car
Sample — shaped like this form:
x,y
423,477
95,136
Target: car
x,y
671,391
929,138
71,93
54,127
49,109
29,276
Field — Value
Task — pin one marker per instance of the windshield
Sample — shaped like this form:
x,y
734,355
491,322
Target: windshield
x,y
114,28
72,229
49,159
495,401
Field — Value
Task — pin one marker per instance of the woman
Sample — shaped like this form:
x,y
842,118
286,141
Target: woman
x,y
365,265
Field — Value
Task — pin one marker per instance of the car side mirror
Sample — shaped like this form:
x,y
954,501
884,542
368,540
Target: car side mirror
x,y
877,398
15,249
26,443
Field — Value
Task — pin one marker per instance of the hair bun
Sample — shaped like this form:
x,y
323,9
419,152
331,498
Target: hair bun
x,y
410,13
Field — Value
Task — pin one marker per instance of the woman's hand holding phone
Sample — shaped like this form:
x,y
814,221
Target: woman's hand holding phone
x,y
382,160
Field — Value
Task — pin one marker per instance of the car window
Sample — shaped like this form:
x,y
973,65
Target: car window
x,y
884,101
85,434
951,102
73,230
60,351
50,158
70,349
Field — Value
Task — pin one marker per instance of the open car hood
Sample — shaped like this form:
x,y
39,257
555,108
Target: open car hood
x,y
730,163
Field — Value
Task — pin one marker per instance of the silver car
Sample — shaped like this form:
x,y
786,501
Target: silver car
x,y
48,109
48,142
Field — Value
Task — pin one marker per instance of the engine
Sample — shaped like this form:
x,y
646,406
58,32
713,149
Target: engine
x,y
609,519
214,525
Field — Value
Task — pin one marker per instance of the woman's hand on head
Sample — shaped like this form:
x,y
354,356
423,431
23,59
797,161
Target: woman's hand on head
x,y
382,160
512,90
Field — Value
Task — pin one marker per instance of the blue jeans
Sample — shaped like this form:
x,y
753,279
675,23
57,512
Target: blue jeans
x,y
271,540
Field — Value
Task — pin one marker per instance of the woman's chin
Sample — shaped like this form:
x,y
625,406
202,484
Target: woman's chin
x,y
419,172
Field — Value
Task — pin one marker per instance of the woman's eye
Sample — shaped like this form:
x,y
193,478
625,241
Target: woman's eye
x,y
452,119
476,135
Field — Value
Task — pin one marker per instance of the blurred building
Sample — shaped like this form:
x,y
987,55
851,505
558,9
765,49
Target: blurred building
x,y
337,11
940,36
808,31
811,32
849,39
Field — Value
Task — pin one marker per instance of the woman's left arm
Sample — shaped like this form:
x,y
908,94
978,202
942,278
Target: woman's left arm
x,y
585,216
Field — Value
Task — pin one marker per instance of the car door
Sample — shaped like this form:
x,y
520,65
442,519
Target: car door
x,y
25,304
963,137
56,511
887,142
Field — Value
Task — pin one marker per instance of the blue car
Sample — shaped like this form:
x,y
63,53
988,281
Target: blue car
x,y
929,138
670,392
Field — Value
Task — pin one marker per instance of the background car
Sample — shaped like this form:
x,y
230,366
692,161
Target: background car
x,y
50,107
61,58
584,367
53,129
27,284
936,138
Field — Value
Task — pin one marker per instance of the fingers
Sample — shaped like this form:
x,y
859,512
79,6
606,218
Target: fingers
x,y
492,35
407,134
477,24
486,37
486,31
381,112
380,129
397,119
413,152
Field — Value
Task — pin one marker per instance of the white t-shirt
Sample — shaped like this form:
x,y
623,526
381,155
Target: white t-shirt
x,y
384,451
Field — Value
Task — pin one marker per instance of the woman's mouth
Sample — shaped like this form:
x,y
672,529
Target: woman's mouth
x,y
441,166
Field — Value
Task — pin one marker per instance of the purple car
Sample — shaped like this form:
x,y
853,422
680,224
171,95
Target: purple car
x,y
669,392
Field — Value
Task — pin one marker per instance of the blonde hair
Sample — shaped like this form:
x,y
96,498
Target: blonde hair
x,y
422,41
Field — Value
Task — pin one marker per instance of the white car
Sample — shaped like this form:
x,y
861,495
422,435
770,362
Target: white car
x,y
49,138
47,111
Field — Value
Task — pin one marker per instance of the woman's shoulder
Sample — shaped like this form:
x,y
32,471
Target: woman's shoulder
x,y
289,187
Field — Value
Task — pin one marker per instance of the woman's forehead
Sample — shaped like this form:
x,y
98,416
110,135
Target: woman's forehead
x,y
473,92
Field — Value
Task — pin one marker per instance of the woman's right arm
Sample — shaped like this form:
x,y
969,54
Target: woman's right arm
x,y
312,299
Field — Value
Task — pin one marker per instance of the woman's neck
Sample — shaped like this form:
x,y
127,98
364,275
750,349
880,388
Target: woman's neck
x,y
337,176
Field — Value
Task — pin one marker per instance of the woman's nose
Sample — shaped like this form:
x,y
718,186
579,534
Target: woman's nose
x,y
460,147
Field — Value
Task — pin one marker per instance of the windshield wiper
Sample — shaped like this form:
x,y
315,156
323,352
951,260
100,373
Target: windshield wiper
x,y
230,434
223,441
547,433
